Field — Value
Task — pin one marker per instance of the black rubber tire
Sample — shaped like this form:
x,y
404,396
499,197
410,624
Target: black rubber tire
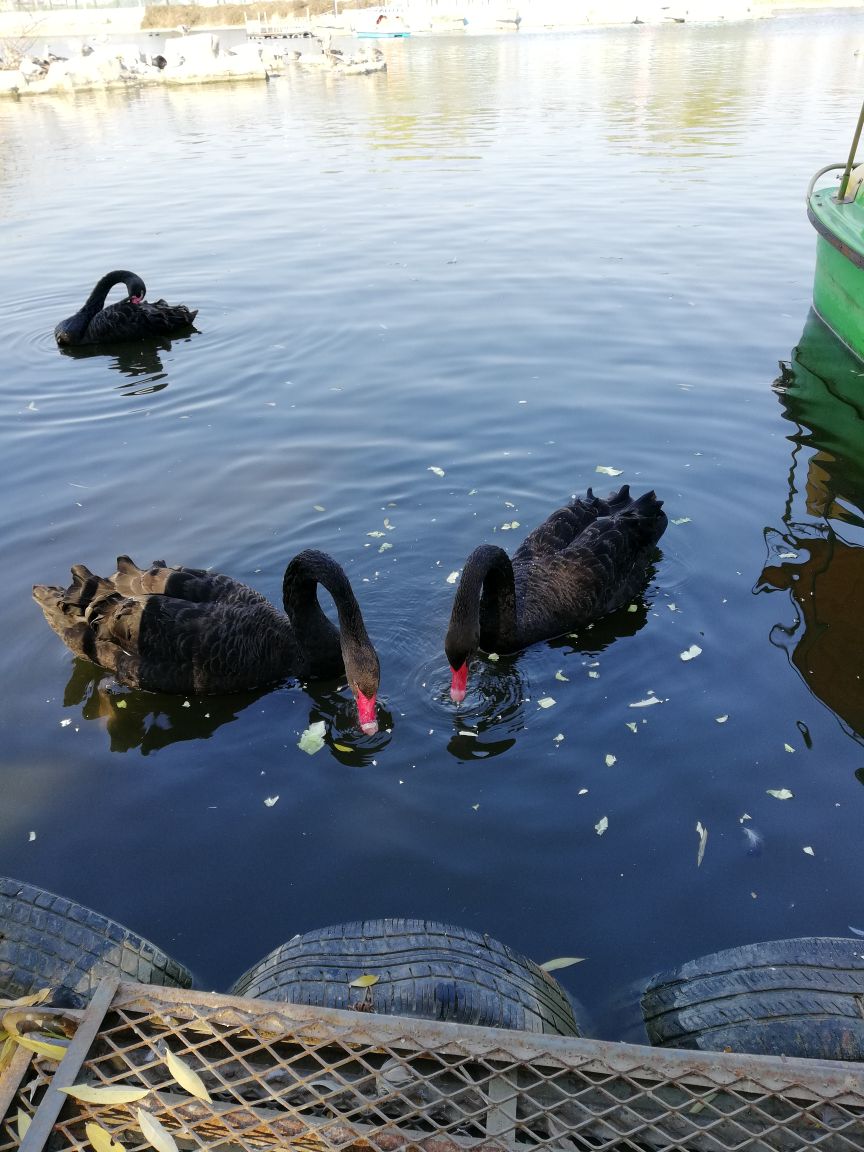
x,y
424,969
47,941
802,997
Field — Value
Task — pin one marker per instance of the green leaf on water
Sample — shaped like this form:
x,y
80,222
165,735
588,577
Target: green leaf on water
x,y
561,962
702,833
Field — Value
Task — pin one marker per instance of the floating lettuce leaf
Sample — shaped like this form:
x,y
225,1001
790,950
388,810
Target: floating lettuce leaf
x,y
312,740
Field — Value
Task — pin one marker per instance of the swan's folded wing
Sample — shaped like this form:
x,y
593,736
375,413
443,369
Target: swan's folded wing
x,y
561,528
195,585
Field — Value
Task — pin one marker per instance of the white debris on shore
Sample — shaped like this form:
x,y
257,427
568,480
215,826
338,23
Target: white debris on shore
x,y
194,59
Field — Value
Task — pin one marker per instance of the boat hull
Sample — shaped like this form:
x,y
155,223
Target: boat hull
x,y
838,285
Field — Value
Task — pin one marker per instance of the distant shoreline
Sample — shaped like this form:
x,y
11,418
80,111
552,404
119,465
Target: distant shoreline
x,y
128,21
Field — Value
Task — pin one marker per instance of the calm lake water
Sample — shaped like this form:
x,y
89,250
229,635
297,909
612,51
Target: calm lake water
x,y
514,259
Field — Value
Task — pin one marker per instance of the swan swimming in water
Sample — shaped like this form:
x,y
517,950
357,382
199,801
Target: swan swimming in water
x,y
192,631
584,561
131,319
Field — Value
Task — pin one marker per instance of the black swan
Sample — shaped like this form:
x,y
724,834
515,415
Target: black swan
x,y
187,630
132,319
587,559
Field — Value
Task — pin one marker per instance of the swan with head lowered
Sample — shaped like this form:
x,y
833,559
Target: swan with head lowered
x,y
586,560
133,318
192,631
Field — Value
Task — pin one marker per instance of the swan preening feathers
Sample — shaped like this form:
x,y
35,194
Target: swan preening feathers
x,y
131,319
192,631
586,560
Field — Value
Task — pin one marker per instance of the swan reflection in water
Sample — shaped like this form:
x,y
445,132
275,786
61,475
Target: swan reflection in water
x,y
141,363
151,721
148,720
816,557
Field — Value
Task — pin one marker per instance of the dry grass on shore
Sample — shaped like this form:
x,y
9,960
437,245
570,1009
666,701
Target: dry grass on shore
x,y
233,15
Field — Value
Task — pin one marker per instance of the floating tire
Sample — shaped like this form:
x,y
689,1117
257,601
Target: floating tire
x,y
802,997
424,969
47,941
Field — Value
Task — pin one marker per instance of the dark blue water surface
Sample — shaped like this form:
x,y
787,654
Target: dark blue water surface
x,y
515,259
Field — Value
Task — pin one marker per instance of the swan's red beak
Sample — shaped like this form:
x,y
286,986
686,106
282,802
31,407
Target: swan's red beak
x,y
459,683
136,299
366,712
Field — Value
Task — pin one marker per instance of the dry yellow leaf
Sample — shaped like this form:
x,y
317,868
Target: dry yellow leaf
x,y
106,1094
26,1001
100,1139
153,1132
40,1047
185,1076
364,981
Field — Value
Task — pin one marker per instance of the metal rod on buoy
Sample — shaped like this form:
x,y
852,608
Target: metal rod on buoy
x,y
841,192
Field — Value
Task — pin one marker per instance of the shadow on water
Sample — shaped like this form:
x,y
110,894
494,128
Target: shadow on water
x,y
151,721
141,363
814,556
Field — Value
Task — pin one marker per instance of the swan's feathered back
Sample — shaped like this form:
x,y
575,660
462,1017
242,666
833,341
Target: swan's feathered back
x,y
188,630
587,559
131,319
584,561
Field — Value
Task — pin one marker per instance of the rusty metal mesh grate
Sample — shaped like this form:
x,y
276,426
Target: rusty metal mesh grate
x,y
280,1076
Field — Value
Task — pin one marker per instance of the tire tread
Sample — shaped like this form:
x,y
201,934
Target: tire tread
x,y
49,941
425,968
800,997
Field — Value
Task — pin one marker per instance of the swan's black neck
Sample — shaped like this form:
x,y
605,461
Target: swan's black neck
x,y
484,609
312,628
135,286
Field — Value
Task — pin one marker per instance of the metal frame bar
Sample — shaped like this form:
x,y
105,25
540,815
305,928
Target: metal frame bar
x,y
505,1072
68,1068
